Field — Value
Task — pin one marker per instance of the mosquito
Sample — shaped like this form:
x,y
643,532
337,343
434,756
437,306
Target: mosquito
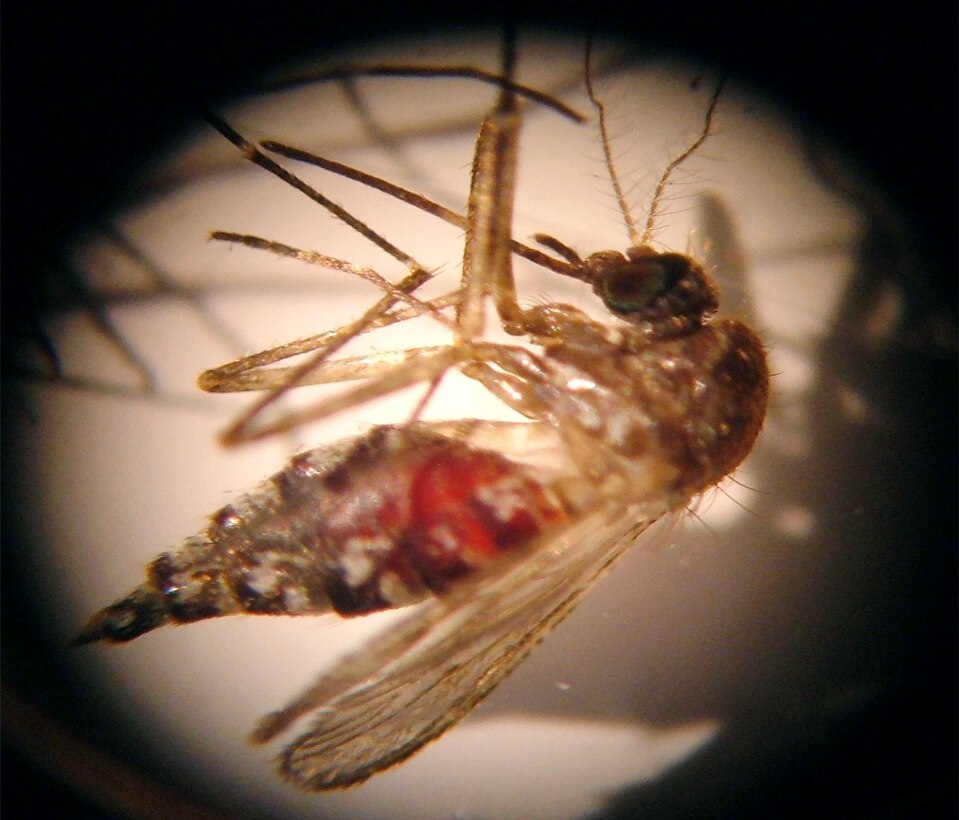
x,y
495,530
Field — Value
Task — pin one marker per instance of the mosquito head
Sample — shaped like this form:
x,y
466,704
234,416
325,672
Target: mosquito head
x,y
668,293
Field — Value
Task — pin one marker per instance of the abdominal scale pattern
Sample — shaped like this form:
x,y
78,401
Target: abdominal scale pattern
x,y
496,529
398,514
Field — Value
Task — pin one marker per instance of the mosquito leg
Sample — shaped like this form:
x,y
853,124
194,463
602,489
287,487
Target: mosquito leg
x,y
282,380
410,198
352,368
401,293
431,391
371,181
238,431
257,157
422,368
486,267
417,276
505,83
487,262
221,379
509,373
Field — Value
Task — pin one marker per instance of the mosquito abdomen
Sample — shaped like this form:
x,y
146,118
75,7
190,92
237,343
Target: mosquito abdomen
x,y
379,522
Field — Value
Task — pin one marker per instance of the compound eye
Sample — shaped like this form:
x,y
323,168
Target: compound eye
x,y
635,286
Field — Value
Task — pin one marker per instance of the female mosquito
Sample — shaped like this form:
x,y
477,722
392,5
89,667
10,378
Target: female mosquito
x,y
495,529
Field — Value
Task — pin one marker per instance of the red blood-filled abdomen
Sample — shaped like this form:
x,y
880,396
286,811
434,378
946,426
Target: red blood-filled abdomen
x,y
435,510
469,507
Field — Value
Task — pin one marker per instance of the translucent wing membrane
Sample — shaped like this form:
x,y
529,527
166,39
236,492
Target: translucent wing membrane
x,y
422,677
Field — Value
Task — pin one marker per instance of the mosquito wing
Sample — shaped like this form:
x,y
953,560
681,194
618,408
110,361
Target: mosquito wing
x,y
410,685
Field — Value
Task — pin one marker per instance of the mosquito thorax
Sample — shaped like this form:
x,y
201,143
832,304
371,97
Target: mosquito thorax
x,y
669,294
